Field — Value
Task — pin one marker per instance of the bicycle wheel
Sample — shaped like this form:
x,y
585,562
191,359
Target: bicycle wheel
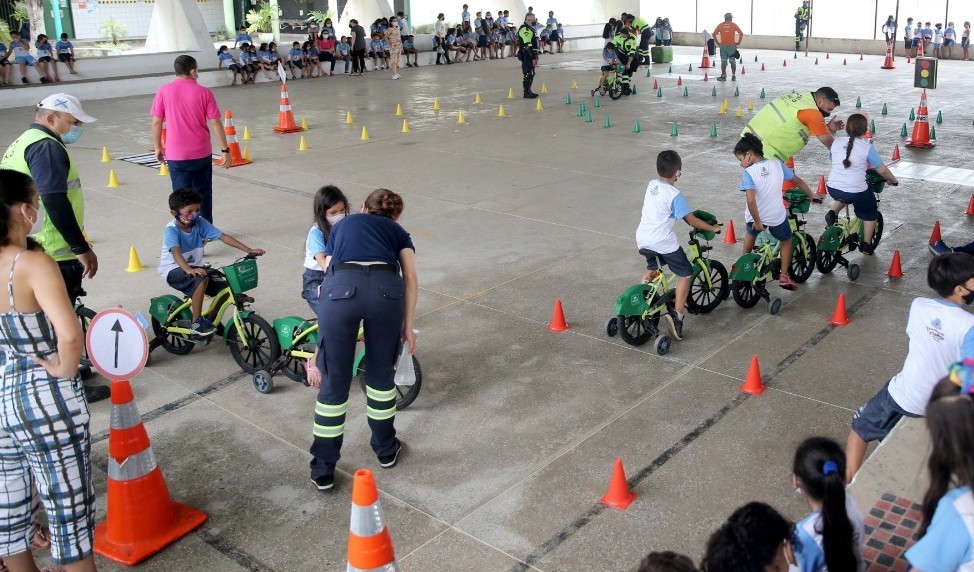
x,y
877,234
175,344
405,394
826,261
258,349
802,257
746,294
85,316
704,298
615,88
636,331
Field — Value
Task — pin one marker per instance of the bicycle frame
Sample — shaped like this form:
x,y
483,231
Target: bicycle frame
x,y
214,311
305,337
698,261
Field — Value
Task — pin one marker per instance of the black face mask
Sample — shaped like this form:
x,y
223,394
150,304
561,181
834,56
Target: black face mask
x,y
824,113
969,297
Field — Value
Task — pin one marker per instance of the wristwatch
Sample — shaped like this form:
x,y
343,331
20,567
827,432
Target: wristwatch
x,y
227,150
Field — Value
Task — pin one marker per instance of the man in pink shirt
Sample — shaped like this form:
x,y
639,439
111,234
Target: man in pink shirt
x,y
190,111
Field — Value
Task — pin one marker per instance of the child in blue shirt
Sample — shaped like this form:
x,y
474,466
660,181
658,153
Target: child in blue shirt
x,y
65,52
375,51
295,59
4,65
266,62
226,61
242,37
409,49
248,67
609,61
182,254
344,52
21,54
45,59
309,51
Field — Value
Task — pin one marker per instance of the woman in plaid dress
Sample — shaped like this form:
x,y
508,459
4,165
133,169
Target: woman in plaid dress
x,y
44,439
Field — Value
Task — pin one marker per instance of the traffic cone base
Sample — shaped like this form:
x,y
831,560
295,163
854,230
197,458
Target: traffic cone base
x,y
935,235
729,236
753,383
840,317
135,265
618,496
184,519
895,270
558,323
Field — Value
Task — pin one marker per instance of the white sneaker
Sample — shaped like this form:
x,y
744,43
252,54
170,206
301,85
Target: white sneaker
x,y
397,76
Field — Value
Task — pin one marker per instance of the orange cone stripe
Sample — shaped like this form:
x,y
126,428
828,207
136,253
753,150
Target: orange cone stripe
x,y
134,467
126,442
125,395
371,553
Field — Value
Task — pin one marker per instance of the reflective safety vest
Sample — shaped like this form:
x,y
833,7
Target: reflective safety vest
x,y
526,35
625,46
16,159
803,13
639,24
777,124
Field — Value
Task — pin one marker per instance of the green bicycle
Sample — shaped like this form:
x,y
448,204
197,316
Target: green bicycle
x,y
613,83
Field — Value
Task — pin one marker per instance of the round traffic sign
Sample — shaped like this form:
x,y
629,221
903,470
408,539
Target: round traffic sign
x,y
117,345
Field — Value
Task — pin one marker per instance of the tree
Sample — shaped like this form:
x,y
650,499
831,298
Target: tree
x,y
35,15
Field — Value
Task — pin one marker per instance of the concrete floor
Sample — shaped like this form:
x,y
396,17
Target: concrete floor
x,y
511,443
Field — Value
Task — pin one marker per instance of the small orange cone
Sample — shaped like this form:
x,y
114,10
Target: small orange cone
x,y
895,270
285,117
935,235
558,323
705,78
679,80
762,66
839,316
729,237
921,129
860,57
369,542
896,153
236,158
752,383
843,61
888,62
618,496
655,84
788,185
821,191
705,61
970,207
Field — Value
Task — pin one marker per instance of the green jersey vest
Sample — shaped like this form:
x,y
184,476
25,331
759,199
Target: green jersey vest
x,y
640,24
625,46
16,159
778,127
526,35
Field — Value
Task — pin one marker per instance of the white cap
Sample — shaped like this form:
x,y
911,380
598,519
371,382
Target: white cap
x,y
67,104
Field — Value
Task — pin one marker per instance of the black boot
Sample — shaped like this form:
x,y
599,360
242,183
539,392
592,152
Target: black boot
x,y
528,94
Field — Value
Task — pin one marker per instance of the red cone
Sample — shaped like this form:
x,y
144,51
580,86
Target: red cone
x,y
762,66
753,383
821,191
935,235
896,153
839,316
888,63
655,84
816,61
618,496
970,207
921,129
843,61
860,57
729,237
895,270
679,80
558,323
742,70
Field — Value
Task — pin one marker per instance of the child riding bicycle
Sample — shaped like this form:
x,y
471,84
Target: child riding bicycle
x,y
662,205
609,62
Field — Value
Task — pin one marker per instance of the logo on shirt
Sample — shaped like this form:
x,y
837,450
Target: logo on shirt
x,y
654,190
936,330
764,172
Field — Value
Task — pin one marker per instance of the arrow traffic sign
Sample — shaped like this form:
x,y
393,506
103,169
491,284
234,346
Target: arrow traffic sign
x,y
117,345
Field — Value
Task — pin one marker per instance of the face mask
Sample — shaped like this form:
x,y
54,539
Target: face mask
x,y
333,220
72,135
824,113
189,220
38,223
969,297
791,567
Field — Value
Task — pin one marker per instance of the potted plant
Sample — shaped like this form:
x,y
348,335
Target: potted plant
x,y
259,20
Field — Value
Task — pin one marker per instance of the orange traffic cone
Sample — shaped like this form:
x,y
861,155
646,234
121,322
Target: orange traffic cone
x,y
935,235
729,237
285,119
679,80
142,517
655,84
705,62
970,207
888,64
920,50
788,185
821,191
743,71
618,496
369,541
558,323
921,129
839,316
896,153
816,61
752,383
895,270
236,158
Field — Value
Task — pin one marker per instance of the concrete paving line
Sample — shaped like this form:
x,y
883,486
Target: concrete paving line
x,y
471,537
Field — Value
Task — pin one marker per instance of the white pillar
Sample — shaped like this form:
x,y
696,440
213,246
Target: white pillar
x,y
275,20
177,26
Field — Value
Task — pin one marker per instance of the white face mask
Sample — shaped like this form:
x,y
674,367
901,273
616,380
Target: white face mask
x,y
38,222
333,220
791,567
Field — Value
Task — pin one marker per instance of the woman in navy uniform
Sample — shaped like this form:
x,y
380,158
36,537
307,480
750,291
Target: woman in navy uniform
x,y
365,254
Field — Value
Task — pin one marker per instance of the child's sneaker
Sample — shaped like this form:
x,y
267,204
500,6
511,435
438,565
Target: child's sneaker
x,y
830,218
674,323
786,282
203,327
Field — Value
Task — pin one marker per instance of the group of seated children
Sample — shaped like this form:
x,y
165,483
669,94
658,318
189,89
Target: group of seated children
x,y
379,52
464,43
46,61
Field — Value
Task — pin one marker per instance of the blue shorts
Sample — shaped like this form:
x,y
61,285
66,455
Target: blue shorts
x,y
864,203
29,60
311,287
878,416
948,43
676,260
781,231
965,43
187,284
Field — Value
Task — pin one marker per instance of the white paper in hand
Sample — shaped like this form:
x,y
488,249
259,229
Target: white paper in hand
x,y
405,373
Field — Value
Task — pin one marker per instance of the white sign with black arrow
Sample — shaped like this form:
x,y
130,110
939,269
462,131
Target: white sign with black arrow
x,y
117,345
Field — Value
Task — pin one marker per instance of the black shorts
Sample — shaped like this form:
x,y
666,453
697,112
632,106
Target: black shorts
x,y
607,68
178,279
298,64
65,57
44,59
481,41
878,416
677,261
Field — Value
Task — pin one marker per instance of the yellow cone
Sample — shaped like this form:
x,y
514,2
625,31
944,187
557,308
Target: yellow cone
x,y
574,84
246,153
740,111
304,125
246,135
436,104
365,134
726,104
163,170
510,93
750,105
105,157
348,118
544,88
112,179
721,110
398,110
135,265
303,145
460,119
405,126
538,106
500,112
477,100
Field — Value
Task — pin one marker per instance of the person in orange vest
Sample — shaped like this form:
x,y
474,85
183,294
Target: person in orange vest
x,y
728,36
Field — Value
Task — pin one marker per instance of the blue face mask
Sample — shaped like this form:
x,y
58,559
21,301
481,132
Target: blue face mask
x,y
189,220
72,135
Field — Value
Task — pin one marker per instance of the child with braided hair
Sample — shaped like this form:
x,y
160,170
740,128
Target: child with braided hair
x,y
851,157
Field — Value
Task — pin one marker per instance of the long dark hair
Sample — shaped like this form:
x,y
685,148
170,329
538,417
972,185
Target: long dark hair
x,y
820,467
855,127
15,188
950,421
327,197
749,540
384,202
749,142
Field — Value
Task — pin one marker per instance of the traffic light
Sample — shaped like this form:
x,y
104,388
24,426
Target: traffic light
x,y
925,73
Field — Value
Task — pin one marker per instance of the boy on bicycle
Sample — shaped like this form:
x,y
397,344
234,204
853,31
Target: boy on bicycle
x,y
662,205
182,254
609,61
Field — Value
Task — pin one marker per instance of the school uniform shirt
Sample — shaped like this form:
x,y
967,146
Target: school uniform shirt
x,y
407,45
264,56
294,55
927,34
608,57
44,50
947,545
367,238
938,36
376,47
343,49
551,23
809,552
662,206
864,156
908,32
226,58
950,34
3,50
314,245
189,243
245,58
940,333
21,49
242,38
766,177
63,47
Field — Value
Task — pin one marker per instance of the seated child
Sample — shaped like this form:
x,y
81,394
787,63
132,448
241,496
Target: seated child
x,y
275,55
264,61
941,332
226,60
45,59
4,65
762,186
242,37
375,51
409,49
248,66
344,52
295,59
496,43
662,205
22,57
309,51
182,254
609,61
65,52
386,54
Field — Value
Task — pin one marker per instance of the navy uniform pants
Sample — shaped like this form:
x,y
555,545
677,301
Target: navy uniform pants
x,y
374,296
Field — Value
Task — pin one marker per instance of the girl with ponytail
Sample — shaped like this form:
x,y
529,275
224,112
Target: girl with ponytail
x,y
831,537
851,157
